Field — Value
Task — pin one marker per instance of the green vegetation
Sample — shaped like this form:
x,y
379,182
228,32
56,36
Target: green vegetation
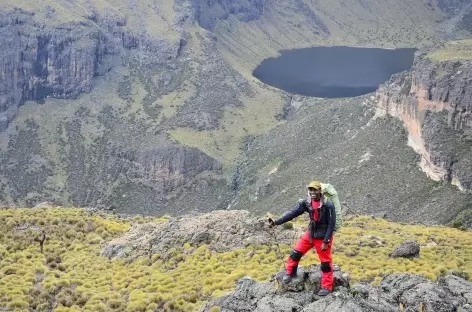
x,y
70,274
139,16
226,142
453,50
463,220
362,248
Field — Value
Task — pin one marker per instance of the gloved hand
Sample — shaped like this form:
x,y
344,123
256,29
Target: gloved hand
x,y
271,223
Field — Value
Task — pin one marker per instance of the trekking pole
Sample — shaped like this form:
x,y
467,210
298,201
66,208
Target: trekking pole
x,y
278,254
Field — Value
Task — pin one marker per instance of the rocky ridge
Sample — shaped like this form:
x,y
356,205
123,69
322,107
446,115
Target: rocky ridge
x,y
396,292
222,230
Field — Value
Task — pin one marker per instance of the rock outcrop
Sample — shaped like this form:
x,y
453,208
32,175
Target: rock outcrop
x,y
466,21
434,101
221,230
396,292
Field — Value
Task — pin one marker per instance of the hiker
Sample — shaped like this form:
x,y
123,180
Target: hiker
x,y
319,234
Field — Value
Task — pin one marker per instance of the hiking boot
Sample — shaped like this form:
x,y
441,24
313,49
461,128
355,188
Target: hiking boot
x,y
323,292
286,279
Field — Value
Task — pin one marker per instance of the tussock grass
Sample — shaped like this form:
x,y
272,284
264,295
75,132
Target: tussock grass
x,y
71,272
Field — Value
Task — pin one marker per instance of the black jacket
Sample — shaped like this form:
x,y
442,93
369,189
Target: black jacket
x,y
321,229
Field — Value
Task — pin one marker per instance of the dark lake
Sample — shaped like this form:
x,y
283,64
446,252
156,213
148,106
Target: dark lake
x,y
333,72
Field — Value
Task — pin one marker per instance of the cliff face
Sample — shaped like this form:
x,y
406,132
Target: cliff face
x,y
209,12
36,63
434,101
39,61
127,174
150,181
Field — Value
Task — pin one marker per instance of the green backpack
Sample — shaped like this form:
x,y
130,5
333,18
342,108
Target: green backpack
x,y
329,191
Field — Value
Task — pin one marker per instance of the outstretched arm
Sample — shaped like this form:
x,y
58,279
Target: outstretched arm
x,y
295,212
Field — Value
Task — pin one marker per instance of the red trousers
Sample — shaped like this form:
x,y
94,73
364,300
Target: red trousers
x,y
302,247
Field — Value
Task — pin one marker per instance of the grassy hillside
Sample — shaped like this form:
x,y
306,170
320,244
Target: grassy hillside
x,y
70,274
453,50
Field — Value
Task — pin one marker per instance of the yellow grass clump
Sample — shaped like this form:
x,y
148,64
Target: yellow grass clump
x,y
70,274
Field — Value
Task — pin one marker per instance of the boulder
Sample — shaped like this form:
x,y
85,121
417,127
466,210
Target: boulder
x,y
408,249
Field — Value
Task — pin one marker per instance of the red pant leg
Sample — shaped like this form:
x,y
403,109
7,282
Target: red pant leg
x,y
326,264
301,248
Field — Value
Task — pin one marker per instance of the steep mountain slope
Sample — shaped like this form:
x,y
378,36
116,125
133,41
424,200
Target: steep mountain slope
x,y
434,102
357,146
137,105
344,143
145,76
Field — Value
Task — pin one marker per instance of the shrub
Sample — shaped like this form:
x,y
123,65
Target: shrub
x,y
287,226
70,234
17,304
115,303
138,305
93,238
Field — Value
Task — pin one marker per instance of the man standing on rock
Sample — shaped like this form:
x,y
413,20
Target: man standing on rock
x,y
319,235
